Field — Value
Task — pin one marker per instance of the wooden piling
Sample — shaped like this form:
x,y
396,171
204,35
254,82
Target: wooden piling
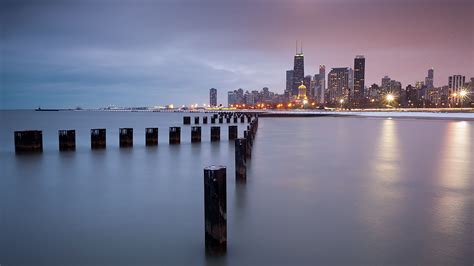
x,y
240,160
151,136
67,140
233,132
213,120
195,134
215,133
125,137
98,138
204,120
215,210
196,120
186,120
221,119
175,135
28,141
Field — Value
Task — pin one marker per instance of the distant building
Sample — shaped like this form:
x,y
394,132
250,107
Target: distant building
x,y
322,84
307,83
289,81
429,80
359,79
298,70
455,85
338,84
213,97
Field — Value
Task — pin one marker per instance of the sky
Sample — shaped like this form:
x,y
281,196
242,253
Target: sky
x,y
64,54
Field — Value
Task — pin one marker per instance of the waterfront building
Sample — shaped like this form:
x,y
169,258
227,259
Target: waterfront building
x,y
338,84
456,85
213,97
359,80
322,84
289,82
307,83
298,70
429,80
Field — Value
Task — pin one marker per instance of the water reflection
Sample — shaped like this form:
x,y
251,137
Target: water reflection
x,y
451,209
386,163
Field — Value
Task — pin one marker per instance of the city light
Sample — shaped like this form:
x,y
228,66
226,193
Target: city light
x,y
463,93
341,101
305,101
390,98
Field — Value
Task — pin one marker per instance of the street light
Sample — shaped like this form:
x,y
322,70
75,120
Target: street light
x,y
341,101
390,98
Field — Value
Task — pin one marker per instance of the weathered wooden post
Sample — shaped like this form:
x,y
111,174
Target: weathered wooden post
x,y
213,120
204,120
175,135
233,132
249,118
196,120
215,133
240,160
28,141
215,210
67,140
221,119
195,134
242,119
151,136
248,146
186,120
98,138
235,118
228,120
126,137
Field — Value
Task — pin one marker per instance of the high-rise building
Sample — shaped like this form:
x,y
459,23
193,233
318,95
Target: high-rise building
x,y
359,79
338,84
429,80
298,70
289,81
213,97
322,84
307,83
455,84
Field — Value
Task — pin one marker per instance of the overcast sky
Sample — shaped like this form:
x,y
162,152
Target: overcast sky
x,y
145,53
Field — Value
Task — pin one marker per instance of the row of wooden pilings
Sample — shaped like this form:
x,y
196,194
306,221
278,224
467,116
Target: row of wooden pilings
x,y
32,140
215,184
230,117
215,194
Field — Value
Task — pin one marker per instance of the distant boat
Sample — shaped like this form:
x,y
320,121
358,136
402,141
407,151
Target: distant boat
x,y
46,110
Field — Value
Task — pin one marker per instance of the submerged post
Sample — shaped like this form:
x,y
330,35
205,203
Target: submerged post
x,y
67,140
98,140
233,132
175,135
126,137
235,118
195,134
215,210
215,133
204,120
213,120
151,136
186,120
242,119
28,141
240,160
221,119
196,120
228,120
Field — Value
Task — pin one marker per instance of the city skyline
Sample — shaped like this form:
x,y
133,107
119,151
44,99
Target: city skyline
x,y
51,56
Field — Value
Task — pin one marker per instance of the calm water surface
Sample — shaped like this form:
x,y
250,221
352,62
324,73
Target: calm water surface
x,y
319,191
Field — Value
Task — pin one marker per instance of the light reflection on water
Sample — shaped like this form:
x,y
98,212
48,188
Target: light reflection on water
x,y
319,191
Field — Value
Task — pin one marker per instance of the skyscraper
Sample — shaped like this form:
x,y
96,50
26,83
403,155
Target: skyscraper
x,y
298,70
429,80
338,84
307,84
213,97
359,79
455,84
289,81
322,84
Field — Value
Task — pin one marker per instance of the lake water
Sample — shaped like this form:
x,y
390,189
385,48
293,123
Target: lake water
x,y
335,190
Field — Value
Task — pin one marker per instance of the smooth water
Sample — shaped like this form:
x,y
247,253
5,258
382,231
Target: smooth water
x,y
334,190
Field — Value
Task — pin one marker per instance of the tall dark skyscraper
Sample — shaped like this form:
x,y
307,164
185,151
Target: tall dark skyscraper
x,y
429,80
298,70
307,83
359,78
213,97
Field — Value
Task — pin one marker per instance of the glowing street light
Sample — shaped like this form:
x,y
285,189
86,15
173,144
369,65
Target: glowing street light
x,y
463,93
390,98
